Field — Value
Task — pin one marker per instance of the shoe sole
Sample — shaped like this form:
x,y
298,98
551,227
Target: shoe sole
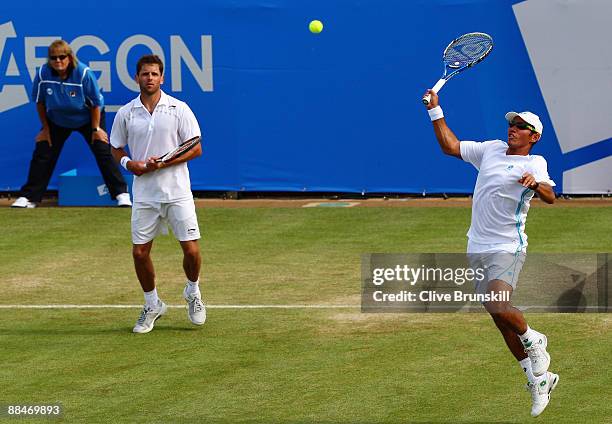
x,y
197,323
554,383
148,330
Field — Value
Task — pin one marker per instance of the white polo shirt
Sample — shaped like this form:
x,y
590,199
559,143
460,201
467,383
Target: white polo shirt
x,y
501,203
146,135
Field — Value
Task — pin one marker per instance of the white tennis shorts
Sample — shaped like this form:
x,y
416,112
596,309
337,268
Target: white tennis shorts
x,y
149,219
499,262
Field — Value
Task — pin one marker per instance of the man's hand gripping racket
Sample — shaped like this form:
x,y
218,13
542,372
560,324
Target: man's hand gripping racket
x,y
155,163
462,53
182,149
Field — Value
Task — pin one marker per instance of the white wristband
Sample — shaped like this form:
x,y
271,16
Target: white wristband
x,y
124,160
436,113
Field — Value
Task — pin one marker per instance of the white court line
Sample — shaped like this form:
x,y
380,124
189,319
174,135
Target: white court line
x,y
181,306
330,204
431,308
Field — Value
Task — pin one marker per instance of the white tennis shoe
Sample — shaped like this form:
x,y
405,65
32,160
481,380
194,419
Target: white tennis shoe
x,y
23,202
196,310
123,200
148,316
540,393
536,350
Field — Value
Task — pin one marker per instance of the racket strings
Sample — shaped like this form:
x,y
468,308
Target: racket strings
x,y
181,149
467,49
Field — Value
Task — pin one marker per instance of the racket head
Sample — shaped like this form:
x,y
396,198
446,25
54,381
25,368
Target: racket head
x,y
463,52
180,150
467,50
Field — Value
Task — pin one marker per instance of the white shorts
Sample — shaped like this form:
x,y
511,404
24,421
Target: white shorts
x,y
500,262
149,219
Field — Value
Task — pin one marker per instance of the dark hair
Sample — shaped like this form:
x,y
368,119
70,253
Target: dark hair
x,y
150,59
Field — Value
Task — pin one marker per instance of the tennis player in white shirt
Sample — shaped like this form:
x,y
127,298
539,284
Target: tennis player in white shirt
x,y
151,125
508,178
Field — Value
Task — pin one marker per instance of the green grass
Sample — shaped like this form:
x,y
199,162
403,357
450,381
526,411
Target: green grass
x,y
297,366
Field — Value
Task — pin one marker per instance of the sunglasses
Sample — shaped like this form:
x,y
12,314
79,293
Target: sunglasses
x,y
522,126
58,57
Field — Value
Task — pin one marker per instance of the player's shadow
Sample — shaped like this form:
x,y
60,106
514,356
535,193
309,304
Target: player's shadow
x,y
573,300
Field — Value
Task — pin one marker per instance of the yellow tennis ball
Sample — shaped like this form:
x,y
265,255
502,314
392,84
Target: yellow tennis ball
x,y
315,26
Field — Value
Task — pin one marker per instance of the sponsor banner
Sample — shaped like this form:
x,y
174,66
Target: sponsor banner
x,y
282,109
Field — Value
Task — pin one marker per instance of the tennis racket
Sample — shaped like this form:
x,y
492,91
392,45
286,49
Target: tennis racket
x,y
179,151
462,53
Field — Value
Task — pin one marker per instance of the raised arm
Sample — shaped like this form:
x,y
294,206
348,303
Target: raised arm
x,y
449,143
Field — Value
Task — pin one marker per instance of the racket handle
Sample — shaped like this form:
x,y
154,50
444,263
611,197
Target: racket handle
x,y
435,89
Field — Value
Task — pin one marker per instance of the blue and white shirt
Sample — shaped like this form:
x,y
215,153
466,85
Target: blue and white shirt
x,y
67,102
501,203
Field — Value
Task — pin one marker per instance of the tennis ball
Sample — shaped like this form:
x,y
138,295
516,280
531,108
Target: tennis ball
x,y
315,26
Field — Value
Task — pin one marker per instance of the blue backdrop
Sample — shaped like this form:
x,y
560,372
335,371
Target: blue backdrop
x,y
282,109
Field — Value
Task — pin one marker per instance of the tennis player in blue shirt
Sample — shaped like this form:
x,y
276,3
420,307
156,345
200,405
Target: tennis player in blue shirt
x,y
68,99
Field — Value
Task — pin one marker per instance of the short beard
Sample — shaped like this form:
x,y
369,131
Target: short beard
x,y
148,92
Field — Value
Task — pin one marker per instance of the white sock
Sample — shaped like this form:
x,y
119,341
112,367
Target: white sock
x,y
526,366
193,286
151,297
528,335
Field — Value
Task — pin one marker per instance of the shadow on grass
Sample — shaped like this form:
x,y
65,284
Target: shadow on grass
x,y
368,422
125,330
